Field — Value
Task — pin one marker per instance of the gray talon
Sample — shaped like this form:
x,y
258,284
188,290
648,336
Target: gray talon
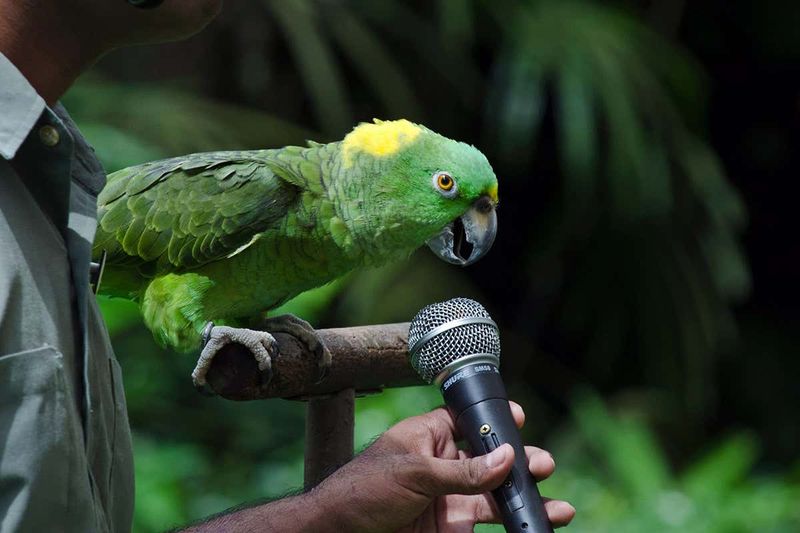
x,y
302,331
260,343
206,334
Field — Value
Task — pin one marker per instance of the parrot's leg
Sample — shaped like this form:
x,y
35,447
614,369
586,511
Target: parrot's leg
x,y
302,331
260,343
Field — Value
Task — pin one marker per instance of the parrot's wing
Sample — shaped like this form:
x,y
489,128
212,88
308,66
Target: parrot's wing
x,y
186,211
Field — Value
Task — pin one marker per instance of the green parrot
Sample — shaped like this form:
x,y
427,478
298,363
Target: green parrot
x,y
222,237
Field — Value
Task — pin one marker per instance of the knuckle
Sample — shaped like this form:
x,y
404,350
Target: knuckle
x,y
413,474
473,473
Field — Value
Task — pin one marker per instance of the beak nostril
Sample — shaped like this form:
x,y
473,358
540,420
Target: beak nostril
x,y
484,205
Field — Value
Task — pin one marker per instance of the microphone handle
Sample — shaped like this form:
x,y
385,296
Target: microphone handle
x,y
477,397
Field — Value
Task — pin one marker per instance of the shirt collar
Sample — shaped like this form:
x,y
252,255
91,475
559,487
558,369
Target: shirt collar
x,y
20,108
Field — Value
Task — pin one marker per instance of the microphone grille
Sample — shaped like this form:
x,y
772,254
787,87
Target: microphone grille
x,y
430,356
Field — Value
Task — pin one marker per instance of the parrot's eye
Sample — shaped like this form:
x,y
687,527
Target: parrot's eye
x,y
445,183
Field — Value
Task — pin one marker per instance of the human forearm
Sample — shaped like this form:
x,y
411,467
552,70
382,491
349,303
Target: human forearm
x,y
303,512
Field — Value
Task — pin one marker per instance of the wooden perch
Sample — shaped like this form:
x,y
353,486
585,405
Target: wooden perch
x,y
365,358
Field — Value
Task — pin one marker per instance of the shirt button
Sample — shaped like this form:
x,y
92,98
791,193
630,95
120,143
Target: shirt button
x,y
49,135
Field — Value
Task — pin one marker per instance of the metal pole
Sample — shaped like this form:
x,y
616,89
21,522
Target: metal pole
x,y
329,435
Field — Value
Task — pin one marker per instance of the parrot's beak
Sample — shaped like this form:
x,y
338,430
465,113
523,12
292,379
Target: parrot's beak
x,y
469,237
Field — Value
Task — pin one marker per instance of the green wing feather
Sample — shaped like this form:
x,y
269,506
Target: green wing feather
x,y
180,213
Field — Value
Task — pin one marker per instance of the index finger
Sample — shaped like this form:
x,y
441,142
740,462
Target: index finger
x,y
485,511
517,413
442,418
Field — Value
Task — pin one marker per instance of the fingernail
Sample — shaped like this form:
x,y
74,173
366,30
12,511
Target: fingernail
x,y
497,456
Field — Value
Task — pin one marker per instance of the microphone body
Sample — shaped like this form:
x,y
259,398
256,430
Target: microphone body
x,y
457,345
477,398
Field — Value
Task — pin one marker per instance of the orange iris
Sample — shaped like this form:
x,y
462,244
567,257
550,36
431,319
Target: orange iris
x,y
444,181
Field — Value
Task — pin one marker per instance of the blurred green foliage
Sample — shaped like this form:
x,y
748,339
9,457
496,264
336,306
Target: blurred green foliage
x,y
616,265
618,476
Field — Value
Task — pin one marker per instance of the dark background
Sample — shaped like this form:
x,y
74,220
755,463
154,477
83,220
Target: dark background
x,y
644,272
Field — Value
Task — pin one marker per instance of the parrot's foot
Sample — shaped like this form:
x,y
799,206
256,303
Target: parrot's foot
x,y
260,343
302,331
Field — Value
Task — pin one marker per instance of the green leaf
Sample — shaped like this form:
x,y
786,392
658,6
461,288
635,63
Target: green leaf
x,y
377,68
629,449
172,121
577,135
722,468
316,62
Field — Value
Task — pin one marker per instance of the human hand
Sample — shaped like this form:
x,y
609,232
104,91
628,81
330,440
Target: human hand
x,y
414,478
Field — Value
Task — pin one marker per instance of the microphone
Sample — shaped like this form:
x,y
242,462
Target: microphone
x,y
456,345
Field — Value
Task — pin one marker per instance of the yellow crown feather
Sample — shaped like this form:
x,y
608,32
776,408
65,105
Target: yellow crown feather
x,y
379,139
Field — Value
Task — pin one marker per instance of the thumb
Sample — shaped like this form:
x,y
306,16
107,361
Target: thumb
x,y
469,476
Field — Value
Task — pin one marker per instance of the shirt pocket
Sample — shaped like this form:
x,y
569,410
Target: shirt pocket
x,y
43,475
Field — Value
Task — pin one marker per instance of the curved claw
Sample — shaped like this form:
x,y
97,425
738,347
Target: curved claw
x,y
205,389
322,373
265,376
206,336
324,360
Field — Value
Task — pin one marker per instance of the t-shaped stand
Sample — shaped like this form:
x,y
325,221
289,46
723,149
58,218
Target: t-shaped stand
x,y
365,360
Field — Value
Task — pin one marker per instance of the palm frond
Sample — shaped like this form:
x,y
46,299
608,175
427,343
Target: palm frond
x,y
643,206
158,122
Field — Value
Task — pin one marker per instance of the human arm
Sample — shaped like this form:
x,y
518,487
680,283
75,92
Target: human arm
x,y
413,478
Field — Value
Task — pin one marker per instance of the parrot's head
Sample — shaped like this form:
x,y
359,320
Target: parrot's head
x,y
424,188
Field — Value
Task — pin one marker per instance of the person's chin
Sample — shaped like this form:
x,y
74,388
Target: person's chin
x,y
175,20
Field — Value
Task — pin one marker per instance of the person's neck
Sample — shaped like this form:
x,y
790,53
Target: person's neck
x,y
43,49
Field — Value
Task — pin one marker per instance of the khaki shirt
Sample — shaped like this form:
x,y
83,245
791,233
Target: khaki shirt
x,y
65,446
